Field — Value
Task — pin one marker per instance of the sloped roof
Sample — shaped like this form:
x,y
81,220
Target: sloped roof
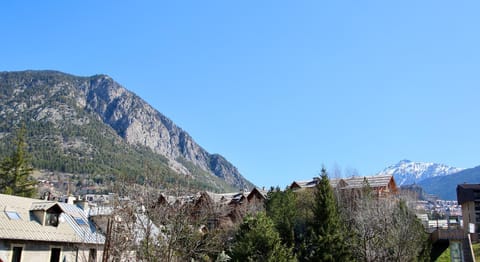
x,y
222,198
337,182
44,205
74,227
469,186
466,192
80,223
305,183
373,181
349,183
256,191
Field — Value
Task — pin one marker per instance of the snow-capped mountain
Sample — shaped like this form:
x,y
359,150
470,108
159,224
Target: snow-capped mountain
x,y
407,172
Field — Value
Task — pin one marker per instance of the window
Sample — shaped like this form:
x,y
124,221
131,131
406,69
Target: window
x,y
80,221
52,219
17,253
92,255
476,194
55,254
12,215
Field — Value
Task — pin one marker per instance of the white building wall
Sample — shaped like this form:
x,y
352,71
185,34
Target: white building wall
x,y
38,251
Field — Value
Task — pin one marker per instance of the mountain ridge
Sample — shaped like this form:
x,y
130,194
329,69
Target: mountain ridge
x,y
445,186
407,172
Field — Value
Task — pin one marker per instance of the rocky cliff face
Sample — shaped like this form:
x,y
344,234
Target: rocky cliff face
x,y
135,121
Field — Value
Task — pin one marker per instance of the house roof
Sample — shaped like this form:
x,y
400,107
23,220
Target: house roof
x,y
74,227
223,198
467,192
305,183
234,197
373,181
337,182
348,183
469,186
257,191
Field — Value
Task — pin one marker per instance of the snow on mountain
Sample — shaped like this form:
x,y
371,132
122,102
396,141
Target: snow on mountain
x,y
407,172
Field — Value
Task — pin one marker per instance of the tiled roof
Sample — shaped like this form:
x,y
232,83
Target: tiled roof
x,y
373,181
306,183
353,182
73,227
334,182
229,197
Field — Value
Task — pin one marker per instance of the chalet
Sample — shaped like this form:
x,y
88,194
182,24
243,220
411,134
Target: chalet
x,y
39,230
256,198
338,183
381,185
225,209
298,185
310,184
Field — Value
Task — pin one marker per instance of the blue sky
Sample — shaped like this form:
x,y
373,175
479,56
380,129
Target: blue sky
x,y
279,88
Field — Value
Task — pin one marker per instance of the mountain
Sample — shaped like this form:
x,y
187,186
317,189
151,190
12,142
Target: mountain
x,y
445,186
94,125
407,172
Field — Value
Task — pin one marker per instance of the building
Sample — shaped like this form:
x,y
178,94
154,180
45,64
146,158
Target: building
x,y
381,185
38,230
468,195
306,184
225,209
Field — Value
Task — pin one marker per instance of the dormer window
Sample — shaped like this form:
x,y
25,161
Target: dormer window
x,y
46,213
52,215
52,219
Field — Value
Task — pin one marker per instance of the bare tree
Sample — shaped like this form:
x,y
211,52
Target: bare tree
x,y
385,228
187,230
147,225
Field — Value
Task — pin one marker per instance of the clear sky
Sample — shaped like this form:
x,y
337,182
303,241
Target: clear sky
x,y
279,88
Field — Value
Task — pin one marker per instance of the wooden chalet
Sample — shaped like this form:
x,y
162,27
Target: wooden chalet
x,y
381,185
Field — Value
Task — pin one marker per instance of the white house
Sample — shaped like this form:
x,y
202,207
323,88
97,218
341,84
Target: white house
x,y
34,230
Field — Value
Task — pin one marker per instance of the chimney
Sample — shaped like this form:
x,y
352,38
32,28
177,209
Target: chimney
x,y
71,199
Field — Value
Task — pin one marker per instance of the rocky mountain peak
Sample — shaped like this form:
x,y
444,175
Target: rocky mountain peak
x,y
133,120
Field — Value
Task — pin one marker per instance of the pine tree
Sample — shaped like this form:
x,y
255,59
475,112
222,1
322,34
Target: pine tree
x,y
15,170
327,240
281,208
257,240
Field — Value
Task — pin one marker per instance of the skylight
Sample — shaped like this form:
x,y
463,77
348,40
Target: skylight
x,y
80,221
12,215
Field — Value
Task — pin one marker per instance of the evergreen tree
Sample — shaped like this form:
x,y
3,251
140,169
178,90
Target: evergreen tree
x,y
15,170
327,241
281,208
257,240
